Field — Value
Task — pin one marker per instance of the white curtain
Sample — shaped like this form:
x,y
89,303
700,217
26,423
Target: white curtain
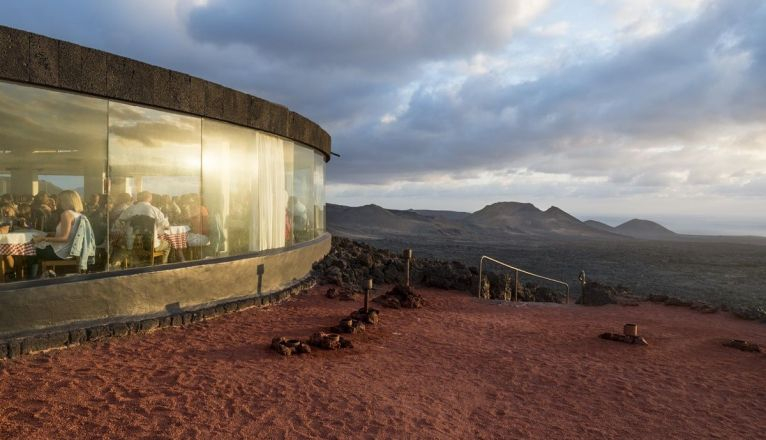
x,y
268,190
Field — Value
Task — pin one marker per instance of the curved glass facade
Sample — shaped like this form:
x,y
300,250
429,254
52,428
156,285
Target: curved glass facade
x,y
211,189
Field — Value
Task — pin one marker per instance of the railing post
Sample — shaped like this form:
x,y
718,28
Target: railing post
x,y
516,289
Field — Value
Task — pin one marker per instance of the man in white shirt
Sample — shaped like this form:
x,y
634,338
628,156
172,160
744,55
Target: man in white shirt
x,y
143,206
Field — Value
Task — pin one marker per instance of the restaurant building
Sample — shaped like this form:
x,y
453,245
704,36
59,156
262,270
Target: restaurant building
x,y
239,181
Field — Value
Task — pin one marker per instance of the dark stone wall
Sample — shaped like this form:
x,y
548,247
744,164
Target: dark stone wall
x,y
36,59
80,334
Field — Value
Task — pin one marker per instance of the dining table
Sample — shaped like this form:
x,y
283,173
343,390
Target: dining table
x,y
19,242
177,236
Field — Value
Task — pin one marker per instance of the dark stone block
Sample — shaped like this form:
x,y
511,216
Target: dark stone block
x,y
196,96
305,131
70,66
179,86
268,116
14,348
325,142
186,318
98,332
149,324
47,341
164,321
230,307
213,100
14,54
25,345
120,329
43,60
129,80
246,303
219,310
94,72
265,300
3,349
176,320
77,336
162,95
235,106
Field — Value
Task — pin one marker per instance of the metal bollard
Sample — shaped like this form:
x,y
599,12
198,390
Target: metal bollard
x,y
367,296
407,254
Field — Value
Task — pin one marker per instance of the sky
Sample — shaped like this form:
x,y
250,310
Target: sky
x,y
608,109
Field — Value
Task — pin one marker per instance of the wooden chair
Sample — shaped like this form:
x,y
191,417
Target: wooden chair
x,y
143,239
53,264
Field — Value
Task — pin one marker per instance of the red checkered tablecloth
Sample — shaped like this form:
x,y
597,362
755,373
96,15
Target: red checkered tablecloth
x,y
177,241
177,236
17,249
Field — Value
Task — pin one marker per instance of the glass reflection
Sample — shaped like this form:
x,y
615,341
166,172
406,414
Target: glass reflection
x,y
155,171
50,142
319,194
178,188
302,200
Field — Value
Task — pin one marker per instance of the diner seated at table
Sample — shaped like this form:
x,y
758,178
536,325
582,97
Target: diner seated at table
x,y
24,216
198,221
143,207
73,236
40,210
7,199
122,202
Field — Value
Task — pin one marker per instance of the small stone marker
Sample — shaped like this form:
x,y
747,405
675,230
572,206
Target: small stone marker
x,y
743,345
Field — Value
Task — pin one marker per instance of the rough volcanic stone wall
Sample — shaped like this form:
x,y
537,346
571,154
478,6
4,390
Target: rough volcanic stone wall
x,y
15,347
36,59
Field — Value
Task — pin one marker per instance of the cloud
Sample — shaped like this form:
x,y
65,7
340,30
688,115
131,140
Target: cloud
x,y
362,35
437,99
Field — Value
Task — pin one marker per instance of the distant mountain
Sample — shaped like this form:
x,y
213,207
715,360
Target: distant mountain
x,y
600,226
499,221
527,219
645,229
373,221
454,216
636,228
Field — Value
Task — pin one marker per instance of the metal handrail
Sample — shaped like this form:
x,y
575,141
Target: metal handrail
x,y
516,290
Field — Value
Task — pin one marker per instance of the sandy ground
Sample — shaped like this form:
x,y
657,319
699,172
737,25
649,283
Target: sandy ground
x,y
460,368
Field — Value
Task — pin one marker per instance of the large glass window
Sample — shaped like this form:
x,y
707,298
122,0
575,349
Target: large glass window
x,y
155,186
302,200
227,176
51,143
319,194
155,170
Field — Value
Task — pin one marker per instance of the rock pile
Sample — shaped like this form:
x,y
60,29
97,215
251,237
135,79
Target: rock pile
x,y
341,293
598,294
401,297
350,264
329,341
371,317
348,325
743,345
287,347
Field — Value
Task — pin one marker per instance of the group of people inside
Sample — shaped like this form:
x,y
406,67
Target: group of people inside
x,y
101,227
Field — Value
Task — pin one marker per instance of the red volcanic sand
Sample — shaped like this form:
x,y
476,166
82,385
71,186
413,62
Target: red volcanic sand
x,y
459,368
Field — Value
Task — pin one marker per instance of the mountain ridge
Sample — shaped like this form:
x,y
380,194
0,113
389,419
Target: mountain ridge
x,y
500,220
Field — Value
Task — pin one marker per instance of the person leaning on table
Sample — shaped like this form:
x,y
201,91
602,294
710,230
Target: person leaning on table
x,y
73,236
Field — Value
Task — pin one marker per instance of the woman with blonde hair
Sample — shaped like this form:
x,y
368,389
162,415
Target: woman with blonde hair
x,y
59,246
